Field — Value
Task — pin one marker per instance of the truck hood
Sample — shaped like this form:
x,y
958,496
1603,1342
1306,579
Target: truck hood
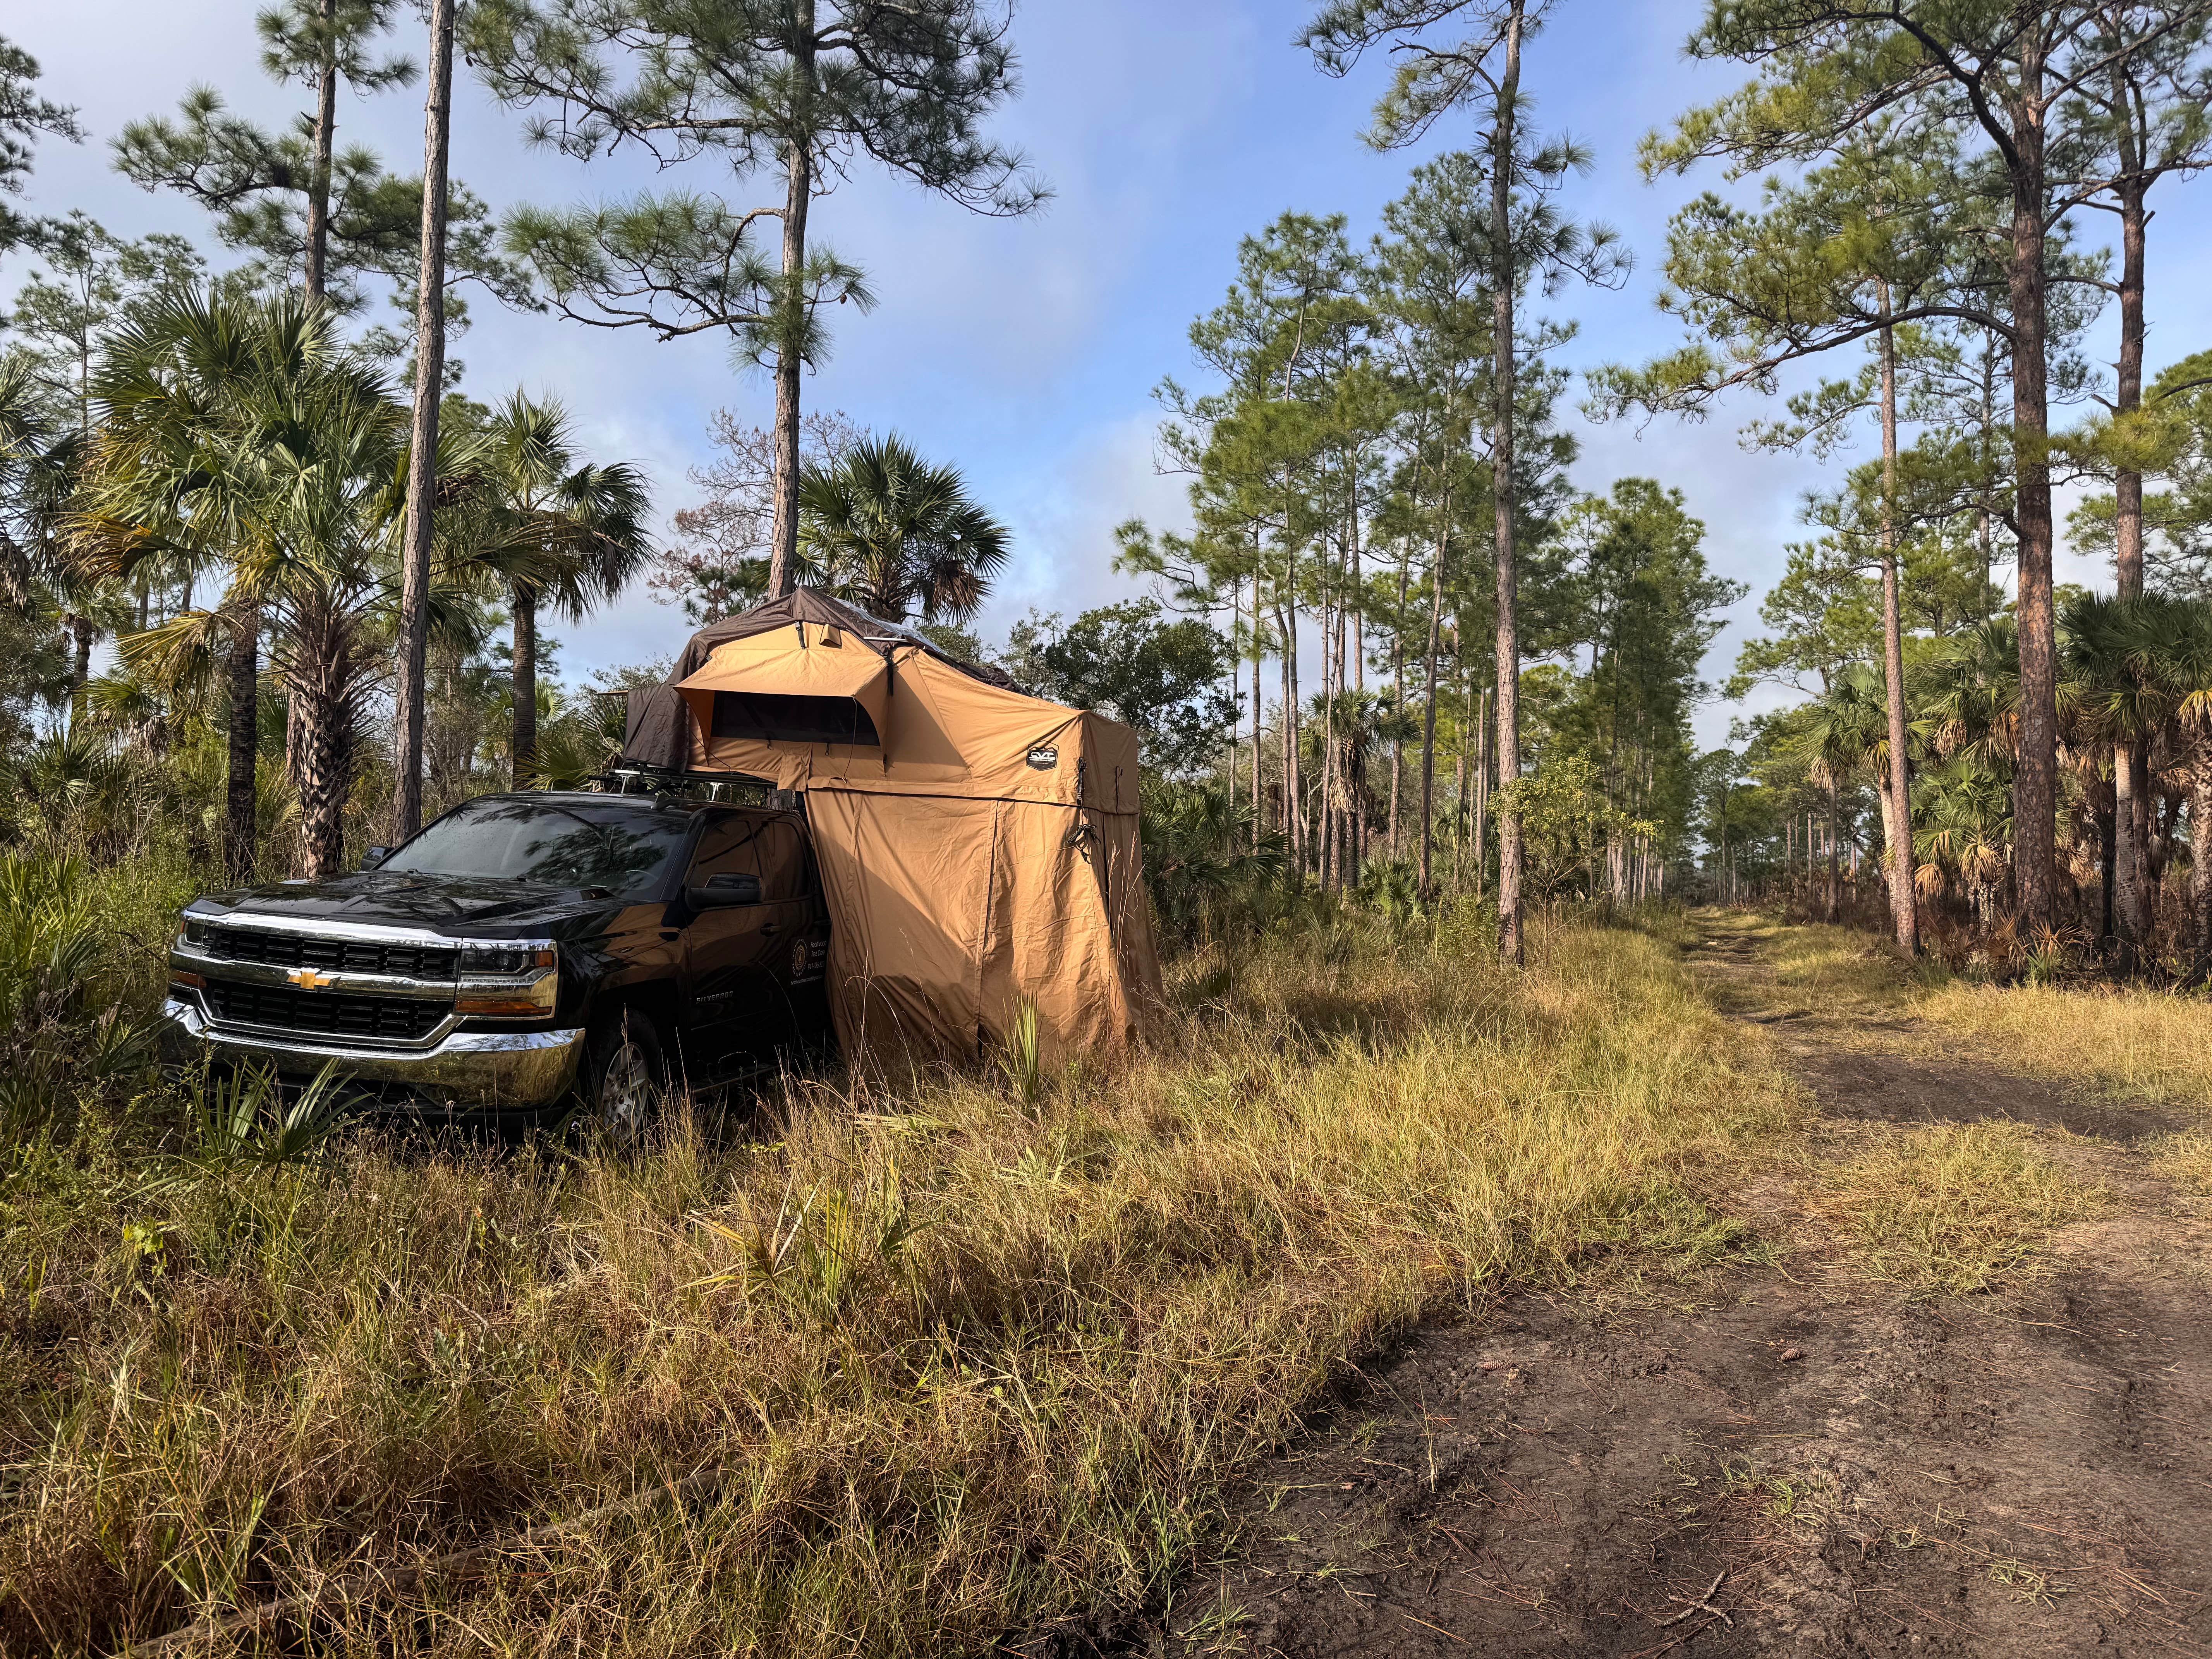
x,y
461,906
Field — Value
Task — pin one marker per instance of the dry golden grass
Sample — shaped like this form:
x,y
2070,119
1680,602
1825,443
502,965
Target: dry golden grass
x,y
2185,1160
1836,971
2144,1043
958,1364
2153,1045
1953,1208
1773,969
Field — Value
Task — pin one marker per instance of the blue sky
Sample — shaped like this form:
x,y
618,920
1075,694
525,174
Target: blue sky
x,y
1025,352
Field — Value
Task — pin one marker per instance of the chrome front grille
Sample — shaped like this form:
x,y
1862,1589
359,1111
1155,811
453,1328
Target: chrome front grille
x,y
350,955
324,1014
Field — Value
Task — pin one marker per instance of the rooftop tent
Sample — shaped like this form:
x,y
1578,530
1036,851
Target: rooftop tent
x,y
978,846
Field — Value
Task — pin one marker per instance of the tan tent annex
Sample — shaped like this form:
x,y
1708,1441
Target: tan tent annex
x,y
978,846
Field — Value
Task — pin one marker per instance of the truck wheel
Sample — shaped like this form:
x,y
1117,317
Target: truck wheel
x,y
624,1075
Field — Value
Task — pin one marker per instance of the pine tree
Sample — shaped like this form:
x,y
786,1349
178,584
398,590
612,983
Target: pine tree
x,y
2143,120
798,87
1468,53
423,438
25,117
295,200
2000,73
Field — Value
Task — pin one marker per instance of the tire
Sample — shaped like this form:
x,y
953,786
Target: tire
x,y
624,1076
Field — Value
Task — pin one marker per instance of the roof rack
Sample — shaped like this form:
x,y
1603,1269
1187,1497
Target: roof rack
x,y
636,778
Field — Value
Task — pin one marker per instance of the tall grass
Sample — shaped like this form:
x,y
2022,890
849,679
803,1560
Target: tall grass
x,y
1953,1208
956,1365
2143,1041
2152,1044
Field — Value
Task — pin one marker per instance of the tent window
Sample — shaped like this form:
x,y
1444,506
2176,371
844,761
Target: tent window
x,y
782,719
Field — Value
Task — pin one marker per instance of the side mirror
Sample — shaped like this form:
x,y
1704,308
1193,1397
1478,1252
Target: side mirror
x,y
373,856
724,890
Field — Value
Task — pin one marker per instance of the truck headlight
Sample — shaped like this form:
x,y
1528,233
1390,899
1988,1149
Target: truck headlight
x,y
509,981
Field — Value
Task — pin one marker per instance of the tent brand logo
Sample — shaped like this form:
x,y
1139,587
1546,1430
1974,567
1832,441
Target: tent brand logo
x,y
1044,757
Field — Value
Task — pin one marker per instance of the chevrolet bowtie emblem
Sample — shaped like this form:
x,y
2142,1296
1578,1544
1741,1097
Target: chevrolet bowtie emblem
x,y
308,980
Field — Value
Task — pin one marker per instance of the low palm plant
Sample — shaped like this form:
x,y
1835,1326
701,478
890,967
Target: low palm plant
x,y
1201,856
64,1034
1964,835
246,1117
583,740
1967,699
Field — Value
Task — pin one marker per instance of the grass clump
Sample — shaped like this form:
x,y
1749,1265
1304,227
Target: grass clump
x,y
2185,1160
1836,971
959,1363
2148,1044
1953,1208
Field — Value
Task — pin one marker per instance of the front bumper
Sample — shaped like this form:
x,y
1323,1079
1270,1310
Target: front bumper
x,y
468,1072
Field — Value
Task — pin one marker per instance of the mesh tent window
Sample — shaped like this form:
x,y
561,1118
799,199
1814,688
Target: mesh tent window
x,y
780,718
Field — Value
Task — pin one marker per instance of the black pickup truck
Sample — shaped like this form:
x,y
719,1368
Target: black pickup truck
x,y
524,952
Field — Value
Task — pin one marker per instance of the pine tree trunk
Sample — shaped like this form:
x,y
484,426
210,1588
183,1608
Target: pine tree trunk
x,y
1294,782
2035,779
1355,748
1459,819
1259,798
2127,483
1235,615
526,685
1284,740
1429,712
1510,946
1463,815
314,275
2123,905
1482,797
2130,823
422,442
239,815
1905,907
1397,696
790,359
1326,816
1835,860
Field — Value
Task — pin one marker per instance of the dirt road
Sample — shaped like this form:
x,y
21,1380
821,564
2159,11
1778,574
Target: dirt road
x,y
1798,1457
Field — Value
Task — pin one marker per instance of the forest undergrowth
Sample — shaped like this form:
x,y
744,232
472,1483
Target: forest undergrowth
x,y
890,1371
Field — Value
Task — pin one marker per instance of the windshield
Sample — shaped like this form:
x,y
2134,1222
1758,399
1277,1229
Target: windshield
x,y
624,851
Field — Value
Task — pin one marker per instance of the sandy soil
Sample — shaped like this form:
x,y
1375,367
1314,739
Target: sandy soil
x,y
1795,1457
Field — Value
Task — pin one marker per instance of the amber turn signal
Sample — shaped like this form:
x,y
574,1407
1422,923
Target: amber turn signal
x,y
184,981
509,1006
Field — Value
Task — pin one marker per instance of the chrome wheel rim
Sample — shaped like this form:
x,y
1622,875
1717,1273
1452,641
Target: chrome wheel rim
x,y
625,1091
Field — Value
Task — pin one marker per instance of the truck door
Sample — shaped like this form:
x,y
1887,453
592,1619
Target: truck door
x,y
730,954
